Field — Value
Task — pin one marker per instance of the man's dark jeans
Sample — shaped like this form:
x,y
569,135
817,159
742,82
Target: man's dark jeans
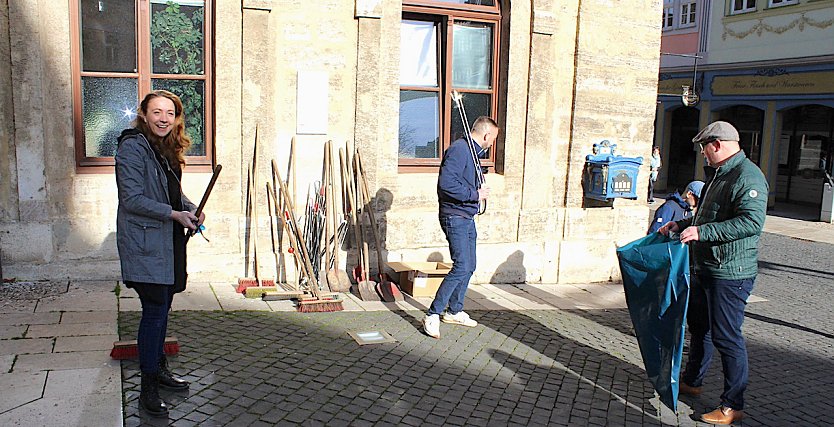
x,y
462,237
716,312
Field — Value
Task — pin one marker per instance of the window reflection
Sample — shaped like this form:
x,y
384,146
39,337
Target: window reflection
x,y
472,55
108,36
419,126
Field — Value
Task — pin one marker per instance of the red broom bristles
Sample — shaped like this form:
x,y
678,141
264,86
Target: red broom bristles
x,y
130,350
245,282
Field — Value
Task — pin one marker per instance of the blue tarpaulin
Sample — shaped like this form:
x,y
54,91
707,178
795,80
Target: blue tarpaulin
x,y
655,273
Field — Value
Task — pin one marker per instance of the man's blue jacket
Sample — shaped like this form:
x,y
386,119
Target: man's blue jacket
x,y
457,184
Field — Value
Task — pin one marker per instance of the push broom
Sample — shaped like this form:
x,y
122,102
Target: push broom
x,y
130,349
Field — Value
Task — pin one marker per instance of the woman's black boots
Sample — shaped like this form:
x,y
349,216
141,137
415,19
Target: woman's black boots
x,y
149,396
167,380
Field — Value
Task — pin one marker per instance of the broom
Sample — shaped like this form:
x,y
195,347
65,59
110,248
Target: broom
x,y
320,302
244,283
130,349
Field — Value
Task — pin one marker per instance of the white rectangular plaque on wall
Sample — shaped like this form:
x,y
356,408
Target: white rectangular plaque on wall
x,y
312,103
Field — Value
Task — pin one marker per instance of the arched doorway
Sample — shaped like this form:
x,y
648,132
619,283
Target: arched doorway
x,y
749,122
804,144
680,164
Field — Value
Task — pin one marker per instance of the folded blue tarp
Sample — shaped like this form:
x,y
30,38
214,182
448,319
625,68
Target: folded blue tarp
x,y
655,273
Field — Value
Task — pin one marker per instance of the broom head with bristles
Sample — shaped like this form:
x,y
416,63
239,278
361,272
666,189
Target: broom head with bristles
x,y
319,305
130,350
245,282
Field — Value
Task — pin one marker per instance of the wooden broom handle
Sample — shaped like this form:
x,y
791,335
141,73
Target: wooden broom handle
x,y
206,194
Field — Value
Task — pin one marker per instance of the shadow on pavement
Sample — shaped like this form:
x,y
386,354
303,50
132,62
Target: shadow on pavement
x,y
249,367
766,267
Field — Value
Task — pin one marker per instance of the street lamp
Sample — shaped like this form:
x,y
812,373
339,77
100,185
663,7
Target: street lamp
x,y
689,94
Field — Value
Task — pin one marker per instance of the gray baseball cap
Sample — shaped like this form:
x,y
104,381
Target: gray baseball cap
x,y
716,130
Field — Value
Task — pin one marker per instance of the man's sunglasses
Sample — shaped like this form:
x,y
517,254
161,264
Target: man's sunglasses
x,y
704,144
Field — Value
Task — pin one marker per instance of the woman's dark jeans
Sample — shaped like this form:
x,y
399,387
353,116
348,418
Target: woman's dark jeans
x,y
156,303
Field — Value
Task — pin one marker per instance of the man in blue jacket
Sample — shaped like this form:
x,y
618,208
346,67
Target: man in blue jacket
x,y
459,193
677,206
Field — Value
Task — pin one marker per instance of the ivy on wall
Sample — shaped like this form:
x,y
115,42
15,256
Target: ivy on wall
x,y
177,42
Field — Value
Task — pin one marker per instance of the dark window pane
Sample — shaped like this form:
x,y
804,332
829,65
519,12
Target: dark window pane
x,y
108,106
108,36
419,125
472,55
475,2
193,106
474,105
177,36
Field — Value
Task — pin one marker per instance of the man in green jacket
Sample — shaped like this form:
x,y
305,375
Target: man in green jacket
x,y
723,238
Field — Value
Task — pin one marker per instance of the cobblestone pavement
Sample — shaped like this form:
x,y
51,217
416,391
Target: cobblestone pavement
x,y
533,367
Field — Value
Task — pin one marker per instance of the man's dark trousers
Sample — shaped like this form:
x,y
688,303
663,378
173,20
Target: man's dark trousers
x,y
462,236
716,313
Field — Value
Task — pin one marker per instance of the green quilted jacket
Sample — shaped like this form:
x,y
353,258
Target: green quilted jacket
x,y
730,218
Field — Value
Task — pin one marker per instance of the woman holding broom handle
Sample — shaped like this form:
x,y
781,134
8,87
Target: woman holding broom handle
x,y
151,221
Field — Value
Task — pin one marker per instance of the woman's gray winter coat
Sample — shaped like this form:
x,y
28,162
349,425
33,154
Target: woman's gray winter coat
x,y
144,226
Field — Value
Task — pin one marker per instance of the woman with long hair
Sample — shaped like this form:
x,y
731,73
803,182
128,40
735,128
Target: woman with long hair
x,y
151,222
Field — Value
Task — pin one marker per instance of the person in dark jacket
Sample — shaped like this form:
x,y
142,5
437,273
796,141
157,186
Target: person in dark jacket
x,y
459,195
677,206
150,230
723,238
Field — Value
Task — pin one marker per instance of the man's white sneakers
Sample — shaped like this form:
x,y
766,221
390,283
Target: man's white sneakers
x,y
431,325
461,318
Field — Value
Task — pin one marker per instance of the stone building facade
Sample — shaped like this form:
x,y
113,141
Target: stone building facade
x,y
569,74
766,67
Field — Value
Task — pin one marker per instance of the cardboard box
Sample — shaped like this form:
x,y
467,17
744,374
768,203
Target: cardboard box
x,y
421,279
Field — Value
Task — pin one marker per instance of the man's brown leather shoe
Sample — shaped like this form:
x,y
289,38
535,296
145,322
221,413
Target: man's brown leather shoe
x,y
684,388
723,415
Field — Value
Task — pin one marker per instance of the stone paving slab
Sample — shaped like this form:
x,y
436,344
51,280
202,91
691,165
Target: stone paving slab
x,y
27,387
16,306
14,331
71,330
229,299
129,302
59,361
26,346
6,362
285,305
76,382
799,229
29,318
196,297
108,316
71,410
81,296
85,343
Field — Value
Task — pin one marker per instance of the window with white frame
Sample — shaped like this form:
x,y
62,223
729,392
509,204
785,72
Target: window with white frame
x,y
777,3
740,6
688,14
668,17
